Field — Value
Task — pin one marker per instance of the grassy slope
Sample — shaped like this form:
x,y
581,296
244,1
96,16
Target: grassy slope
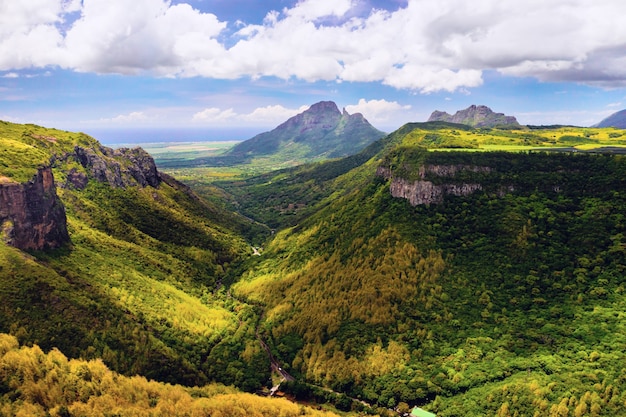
x,y
481,305
475,319
137,286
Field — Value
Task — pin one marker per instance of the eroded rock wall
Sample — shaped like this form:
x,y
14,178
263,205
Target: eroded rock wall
x,y
31,214
423,191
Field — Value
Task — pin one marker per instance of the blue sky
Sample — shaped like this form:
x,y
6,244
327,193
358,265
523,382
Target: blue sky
x,y
245,66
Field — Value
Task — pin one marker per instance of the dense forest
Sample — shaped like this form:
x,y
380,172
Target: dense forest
x,y
503,296
502,302
34,383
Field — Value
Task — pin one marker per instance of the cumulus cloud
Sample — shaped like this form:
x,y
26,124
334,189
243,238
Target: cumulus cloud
x,y
378,111
427,46
262,115
142,35
133,117
214,114
272,114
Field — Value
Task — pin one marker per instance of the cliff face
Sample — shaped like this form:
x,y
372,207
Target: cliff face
x,y
423,191
119,168
32,217
31,214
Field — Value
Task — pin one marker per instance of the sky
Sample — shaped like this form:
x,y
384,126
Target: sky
x,y
241,67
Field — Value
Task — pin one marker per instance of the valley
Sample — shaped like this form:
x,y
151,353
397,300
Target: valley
x,y
464,270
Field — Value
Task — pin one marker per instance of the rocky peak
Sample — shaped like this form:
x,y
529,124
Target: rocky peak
x,y
617,120
324,115
476,116
321,131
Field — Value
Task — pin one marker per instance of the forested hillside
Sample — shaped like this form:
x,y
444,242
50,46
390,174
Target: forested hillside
x,y
49,384
138,283
413,273
503,300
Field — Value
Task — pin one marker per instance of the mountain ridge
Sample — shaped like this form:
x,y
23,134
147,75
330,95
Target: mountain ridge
x,y
475,116
617,119
320,132
469,283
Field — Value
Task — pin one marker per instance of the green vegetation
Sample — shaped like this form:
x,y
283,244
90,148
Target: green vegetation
x,y
34,383
505,300
502,302
139,285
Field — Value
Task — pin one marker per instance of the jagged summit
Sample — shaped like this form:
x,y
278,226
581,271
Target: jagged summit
x,y
321,131
476,116
617,119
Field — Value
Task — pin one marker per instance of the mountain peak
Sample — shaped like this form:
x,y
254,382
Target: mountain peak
x,y
321,131
324,106
617,120
476,116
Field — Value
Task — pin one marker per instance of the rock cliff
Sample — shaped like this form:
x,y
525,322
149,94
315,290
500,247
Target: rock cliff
x,y
31,214
424,191
476,116
119,168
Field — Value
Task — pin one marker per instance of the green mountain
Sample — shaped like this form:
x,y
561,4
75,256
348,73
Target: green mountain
x,y
413,273
475,116
468,283
102,256
617,119
321,132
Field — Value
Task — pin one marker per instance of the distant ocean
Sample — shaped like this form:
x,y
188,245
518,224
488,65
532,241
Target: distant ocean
x,y
131,137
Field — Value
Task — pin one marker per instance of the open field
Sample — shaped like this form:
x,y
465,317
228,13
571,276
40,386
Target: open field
x,y
181,151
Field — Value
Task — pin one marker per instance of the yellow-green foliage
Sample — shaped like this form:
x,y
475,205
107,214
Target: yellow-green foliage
x,y
34,383
24,148
368,286
137,285
515,139
143,281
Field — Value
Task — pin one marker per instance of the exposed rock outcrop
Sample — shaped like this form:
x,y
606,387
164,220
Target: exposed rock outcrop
x,y
121,167
322,131
423,191
476,116
32,217
31,214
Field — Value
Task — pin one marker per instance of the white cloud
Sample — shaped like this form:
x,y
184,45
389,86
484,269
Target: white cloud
x,y
11,75
130,118
214,114
265,116
379,111
314,9
427,46
142,35
272,114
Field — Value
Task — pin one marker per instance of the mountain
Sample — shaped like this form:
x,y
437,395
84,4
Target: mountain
x,y
617,120
466,283
476,116
321,132
103,256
